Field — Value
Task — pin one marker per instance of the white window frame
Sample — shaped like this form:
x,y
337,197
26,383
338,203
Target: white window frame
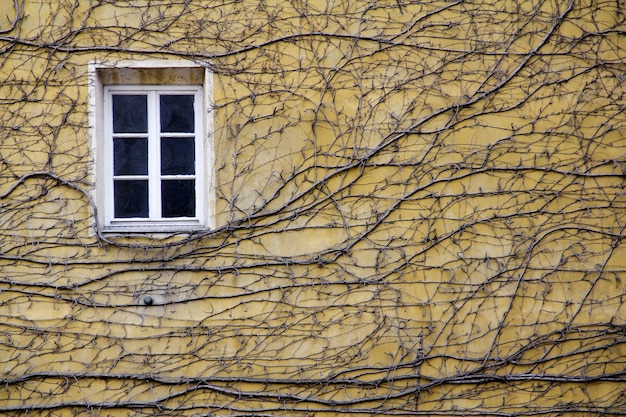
x,y
102,148
154,135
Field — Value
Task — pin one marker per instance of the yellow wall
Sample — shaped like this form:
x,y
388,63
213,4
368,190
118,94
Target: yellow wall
x,y
420,210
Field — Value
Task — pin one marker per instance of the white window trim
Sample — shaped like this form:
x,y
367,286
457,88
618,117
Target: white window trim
x,y
102,154
153,176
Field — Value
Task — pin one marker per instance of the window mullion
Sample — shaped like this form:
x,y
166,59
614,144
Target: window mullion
x,y
155,156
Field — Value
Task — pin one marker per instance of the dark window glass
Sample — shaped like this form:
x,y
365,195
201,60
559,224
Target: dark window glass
x,y
177,113
131,198
130,114
130,156
178,198
178,156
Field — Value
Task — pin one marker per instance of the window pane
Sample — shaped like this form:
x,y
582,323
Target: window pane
x,y
178,156
130,156
131,198
178,198
130,114
177,113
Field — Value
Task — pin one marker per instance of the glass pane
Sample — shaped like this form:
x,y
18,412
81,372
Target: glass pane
x,y
178,198
130,156
130,114
178,156
177,113
131,198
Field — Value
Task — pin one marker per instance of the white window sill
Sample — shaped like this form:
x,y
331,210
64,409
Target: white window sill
x,y
129,229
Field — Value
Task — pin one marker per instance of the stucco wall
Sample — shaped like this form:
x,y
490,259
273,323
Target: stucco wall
x,y
419,209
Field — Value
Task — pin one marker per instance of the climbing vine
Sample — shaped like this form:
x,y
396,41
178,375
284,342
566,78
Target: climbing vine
x,y
419,210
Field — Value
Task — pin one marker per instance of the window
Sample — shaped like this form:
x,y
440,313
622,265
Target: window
x,y
151,149
152,139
